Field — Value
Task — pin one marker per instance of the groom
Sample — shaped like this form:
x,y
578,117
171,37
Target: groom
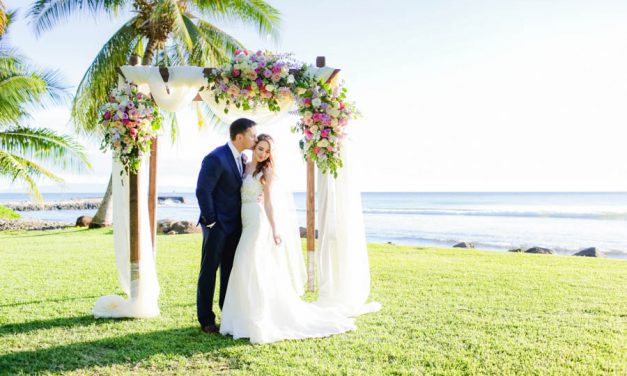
x,y
218,194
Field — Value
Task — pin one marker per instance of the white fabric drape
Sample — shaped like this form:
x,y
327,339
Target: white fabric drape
x,y
286,220
143,293
260,115
182,86
342,253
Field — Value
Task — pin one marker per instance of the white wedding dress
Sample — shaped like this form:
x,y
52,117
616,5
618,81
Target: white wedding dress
x,y
262,299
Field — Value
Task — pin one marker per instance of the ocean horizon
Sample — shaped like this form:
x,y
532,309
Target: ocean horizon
x,y
563,221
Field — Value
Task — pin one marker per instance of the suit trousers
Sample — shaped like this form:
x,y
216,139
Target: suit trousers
x,y
218,250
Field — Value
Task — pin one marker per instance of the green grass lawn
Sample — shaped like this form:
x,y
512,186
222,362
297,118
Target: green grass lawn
x,y
445,311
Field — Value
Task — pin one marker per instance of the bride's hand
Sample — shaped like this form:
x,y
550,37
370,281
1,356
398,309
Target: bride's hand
x,y
277,239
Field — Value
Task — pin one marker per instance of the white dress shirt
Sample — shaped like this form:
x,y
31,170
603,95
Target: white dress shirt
x,y
238,157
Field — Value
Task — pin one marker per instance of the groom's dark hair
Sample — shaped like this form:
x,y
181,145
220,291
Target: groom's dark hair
x,y
240,126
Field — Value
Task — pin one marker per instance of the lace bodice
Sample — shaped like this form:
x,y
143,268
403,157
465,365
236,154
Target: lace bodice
x,y
251,188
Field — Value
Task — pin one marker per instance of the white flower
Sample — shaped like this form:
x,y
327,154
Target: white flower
x,y
301,91
323,143
316,102
270,87
314,129
290,79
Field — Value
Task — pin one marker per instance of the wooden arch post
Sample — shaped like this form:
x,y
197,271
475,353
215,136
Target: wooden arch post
x,y
311,212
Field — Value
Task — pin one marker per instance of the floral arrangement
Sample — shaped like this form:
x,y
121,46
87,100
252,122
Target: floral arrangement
x,y
263,79
254,79
130,120
324,115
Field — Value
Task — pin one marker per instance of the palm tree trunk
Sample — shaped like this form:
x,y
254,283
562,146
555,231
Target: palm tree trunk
x,y
104,214
149,52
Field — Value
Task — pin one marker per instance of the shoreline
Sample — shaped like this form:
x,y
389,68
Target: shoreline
x,y
11,227
71,204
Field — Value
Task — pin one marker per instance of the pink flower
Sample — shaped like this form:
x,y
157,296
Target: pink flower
x,y
235,73
308,134
133,132
316,150
325,133
276,69
107,115
267,73
307,101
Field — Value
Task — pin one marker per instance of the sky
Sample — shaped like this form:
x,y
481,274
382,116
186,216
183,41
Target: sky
x,y
456,95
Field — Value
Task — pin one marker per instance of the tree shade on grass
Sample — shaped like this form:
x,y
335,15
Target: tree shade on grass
x,y
445,311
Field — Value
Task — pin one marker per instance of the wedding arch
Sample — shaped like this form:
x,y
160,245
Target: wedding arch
x,y
261,86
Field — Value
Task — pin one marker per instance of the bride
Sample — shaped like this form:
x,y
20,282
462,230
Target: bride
x,y
262,301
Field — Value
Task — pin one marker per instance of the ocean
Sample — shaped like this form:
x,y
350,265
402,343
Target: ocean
x,y
565,222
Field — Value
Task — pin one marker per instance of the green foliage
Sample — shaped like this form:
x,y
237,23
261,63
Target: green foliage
x,y
8,213
163,32
24,150
445,312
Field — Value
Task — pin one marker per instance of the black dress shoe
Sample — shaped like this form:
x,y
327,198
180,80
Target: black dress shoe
x,y
211,328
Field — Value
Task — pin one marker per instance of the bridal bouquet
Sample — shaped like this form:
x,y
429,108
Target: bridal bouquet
x,y
254,79
130,120
324,114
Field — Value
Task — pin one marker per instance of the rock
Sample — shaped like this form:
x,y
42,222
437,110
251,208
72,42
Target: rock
x,y
83,221
540,251
173,227
163,225
390,243
185,227
464,245
99,225
28,225
515,250
171,200
75,204
303,233
590,252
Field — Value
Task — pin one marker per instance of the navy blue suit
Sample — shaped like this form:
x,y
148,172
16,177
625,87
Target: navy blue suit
x,y
219,199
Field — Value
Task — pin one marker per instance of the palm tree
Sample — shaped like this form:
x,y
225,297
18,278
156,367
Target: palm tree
x,y
3,17
160,32
23,148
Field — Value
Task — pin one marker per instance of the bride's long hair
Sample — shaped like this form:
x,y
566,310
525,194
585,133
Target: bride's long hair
x,y
269,162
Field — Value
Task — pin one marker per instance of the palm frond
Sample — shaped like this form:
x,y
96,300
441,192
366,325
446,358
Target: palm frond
x,y
256,12
24,87
100,77
46,145
212,46
23,171
45,14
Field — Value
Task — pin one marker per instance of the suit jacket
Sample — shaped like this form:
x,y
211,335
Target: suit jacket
x,y
218,191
